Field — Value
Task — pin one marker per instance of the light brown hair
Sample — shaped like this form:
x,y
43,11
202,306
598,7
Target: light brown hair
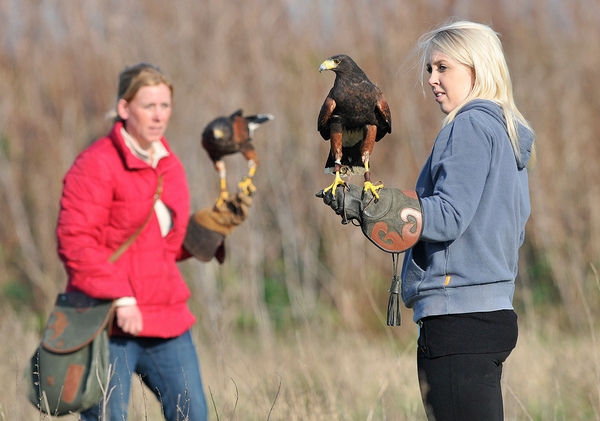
x,y
133,78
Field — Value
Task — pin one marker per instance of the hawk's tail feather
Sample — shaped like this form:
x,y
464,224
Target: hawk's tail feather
x,y
351,161
346,171
254,121
259,118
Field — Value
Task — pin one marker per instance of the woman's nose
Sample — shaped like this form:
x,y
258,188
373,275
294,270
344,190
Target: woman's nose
x,y
433,80
158,114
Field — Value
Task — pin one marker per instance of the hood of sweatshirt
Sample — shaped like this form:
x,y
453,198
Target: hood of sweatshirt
x,y
526,136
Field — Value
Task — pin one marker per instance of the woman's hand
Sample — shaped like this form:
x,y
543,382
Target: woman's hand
x,y
129,319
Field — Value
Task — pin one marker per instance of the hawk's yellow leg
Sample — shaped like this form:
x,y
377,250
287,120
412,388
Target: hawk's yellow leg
x,y
224,194
246,184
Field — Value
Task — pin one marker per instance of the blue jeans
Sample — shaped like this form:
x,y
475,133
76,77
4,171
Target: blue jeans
x,y
169,367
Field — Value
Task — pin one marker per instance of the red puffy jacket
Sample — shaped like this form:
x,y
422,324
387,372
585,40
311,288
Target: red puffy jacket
x,y
107,195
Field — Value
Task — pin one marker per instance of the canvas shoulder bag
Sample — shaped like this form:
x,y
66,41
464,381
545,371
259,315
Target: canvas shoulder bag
x,y
70,368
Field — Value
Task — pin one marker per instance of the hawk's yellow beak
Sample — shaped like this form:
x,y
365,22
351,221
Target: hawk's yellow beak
x,y
327,65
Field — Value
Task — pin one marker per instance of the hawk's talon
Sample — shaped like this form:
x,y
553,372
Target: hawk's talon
x,y
336,182
246,186
222,198
368,186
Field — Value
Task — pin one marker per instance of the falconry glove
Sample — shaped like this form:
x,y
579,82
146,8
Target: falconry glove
x,y
209,226
347,202
393,222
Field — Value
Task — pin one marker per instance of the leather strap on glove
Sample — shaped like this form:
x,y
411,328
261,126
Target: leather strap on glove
x,y
208,227
393,222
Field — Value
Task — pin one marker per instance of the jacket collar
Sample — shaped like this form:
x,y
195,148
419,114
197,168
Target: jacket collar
x,y
130,160
158,149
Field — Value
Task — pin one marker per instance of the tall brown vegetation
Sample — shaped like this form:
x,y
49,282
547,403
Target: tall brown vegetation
x,y
293,260
58,68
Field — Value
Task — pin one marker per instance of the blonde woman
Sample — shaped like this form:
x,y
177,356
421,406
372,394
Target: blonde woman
x,y
473,198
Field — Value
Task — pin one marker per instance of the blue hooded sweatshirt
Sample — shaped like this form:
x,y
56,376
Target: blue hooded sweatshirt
x,y
475,200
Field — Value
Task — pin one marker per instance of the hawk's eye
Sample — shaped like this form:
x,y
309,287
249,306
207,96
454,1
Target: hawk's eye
x,y
336,61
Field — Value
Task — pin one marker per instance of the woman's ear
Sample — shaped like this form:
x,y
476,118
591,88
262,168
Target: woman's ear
x,y
123,109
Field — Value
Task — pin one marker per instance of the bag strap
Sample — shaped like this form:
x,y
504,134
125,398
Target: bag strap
x,y
118,252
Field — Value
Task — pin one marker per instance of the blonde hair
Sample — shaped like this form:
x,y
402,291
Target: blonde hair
x,y
478,47
133,78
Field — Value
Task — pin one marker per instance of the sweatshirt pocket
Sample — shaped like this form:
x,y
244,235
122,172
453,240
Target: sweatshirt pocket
x,y
413,277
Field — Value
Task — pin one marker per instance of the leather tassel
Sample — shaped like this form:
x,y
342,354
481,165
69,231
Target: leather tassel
x,y
394,312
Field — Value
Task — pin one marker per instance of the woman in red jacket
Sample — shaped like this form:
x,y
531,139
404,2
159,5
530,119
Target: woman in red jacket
x,y
108,194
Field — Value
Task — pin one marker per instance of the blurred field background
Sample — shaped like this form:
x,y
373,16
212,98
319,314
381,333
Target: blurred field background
x,y
292,325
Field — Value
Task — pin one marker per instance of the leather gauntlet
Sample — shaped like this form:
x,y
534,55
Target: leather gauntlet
x,y
394,222
209,226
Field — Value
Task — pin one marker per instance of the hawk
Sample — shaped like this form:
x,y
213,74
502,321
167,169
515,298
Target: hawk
x,y
353,117
229,135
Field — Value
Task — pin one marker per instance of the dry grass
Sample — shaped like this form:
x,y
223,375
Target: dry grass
x,y
314,372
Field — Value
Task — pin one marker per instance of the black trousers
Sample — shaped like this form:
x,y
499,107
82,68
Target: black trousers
x,y
459,363
462,387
